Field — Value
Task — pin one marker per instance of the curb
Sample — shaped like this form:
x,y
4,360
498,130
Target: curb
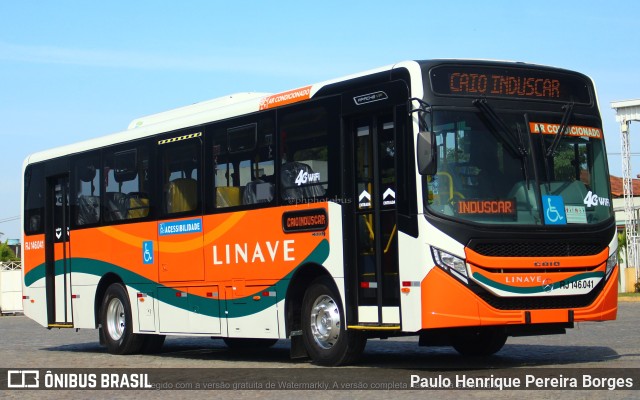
x,y
626,299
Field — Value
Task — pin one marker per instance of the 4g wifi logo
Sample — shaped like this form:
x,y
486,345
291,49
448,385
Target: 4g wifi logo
x,y
23,379
592,200
305,177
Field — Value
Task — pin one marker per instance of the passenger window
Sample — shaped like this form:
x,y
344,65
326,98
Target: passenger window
x,y
243,164
127,184
34,199
87,190
181,164
305,154
242,138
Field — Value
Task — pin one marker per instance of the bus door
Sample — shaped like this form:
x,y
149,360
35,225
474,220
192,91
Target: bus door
x,y
58,253
373,139
180,236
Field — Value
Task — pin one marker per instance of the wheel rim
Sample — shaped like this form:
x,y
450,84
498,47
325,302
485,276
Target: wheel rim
x,y
325,322
115,319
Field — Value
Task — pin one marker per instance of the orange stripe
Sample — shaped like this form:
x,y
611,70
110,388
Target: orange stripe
x,y
187,245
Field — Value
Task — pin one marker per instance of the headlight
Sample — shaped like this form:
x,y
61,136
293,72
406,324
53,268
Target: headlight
x,y
612,261
450,263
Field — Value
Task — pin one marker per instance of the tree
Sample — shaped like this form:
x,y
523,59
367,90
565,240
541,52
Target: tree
x,y
565,164
622,245
6,254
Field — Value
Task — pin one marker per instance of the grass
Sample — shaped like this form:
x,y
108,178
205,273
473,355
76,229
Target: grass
x,y
629,295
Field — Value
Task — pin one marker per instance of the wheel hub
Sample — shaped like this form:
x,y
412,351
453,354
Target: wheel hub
x,y
115,319
325,322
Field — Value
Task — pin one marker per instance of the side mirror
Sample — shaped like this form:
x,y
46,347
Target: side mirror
x,y
426,149
426,153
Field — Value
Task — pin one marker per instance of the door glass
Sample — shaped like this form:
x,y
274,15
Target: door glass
x,y
58,284
388,227
387,164
376,229
60,213
365,223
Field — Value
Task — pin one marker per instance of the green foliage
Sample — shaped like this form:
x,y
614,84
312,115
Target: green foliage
x,y
566,166
6,254
622,245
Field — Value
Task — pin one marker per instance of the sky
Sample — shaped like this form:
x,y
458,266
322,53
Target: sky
x,y
74,70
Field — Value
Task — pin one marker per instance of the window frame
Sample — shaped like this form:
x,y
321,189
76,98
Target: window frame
x,y
217,145
163,142
124,149
75,193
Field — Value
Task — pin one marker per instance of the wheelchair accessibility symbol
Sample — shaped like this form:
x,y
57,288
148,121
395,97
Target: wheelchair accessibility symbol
x,y
554,213
147,252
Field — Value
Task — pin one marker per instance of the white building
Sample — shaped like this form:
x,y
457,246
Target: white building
x,y
627,277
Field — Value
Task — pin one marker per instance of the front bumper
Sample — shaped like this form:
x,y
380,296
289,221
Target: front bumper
x,y
448,303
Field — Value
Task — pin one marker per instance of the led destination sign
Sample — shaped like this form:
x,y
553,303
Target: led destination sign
x,y
509,82
305,220
487,207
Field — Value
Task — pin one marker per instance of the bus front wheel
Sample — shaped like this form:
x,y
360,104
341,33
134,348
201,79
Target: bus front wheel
x,y
324,334
116,324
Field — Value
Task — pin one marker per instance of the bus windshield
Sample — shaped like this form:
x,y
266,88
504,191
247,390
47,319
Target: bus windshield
x,y
506,169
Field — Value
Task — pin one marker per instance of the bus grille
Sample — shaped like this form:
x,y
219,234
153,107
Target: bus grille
x,y
536,249
538,303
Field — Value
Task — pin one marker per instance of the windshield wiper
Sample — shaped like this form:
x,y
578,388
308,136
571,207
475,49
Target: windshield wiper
x,y
562,131
508,137
501,129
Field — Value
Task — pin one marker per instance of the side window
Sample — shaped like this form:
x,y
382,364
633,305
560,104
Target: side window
x,y
34,199
304,151
180,157
127,184
243,163
86,190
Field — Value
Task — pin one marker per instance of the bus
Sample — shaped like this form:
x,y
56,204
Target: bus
x,y
458,201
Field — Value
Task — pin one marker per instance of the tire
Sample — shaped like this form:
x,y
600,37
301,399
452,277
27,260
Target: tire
x,y
115,322
240,344
327,341
479,342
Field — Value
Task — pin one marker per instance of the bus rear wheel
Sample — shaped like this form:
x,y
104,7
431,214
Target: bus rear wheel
x,y
479,342
116,323
325,337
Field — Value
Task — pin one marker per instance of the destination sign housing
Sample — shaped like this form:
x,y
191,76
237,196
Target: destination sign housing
x,y
503,82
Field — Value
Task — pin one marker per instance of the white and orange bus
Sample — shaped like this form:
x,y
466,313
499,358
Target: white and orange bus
x,y
461,201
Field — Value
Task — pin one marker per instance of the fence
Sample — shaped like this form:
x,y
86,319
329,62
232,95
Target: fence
x,y
10,287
